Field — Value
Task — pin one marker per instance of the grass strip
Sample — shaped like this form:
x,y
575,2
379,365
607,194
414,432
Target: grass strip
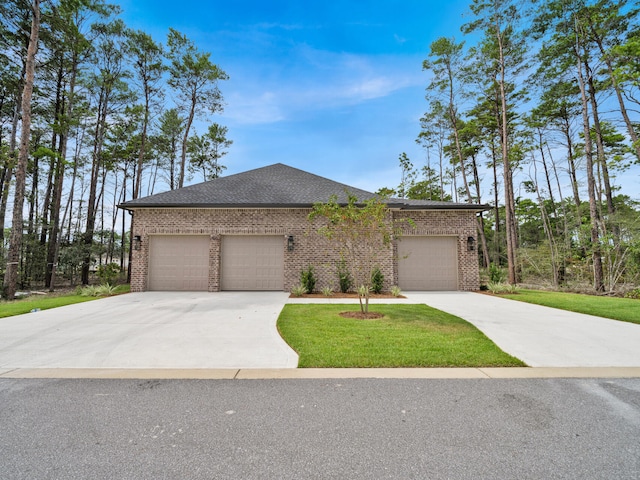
x,y
623,309
407,336
45,302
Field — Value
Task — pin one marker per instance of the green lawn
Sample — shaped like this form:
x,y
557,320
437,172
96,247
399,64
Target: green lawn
x,y
624,309
18,307
407,336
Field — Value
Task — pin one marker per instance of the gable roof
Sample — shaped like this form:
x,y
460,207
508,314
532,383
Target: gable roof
x,y
273,186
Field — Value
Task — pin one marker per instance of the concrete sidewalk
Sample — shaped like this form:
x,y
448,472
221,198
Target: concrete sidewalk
x,y
321,373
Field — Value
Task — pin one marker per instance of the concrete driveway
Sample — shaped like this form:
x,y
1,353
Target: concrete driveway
x,y
542,336
539,336
194,330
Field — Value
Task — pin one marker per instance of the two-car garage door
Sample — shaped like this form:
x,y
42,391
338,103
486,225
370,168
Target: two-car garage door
x,y
428,263
247,262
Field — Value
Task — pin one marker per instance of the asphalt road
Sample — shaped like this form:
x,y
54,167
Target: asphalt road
x,y
320,429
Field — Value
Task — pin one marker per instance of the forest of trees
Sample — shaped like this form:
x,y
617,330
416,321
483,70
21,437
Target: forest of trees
x,y
92,114
533,111
514,101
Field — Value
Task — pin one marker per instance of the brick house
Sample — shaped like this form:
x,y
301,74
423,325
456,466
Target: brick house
x,y
250,231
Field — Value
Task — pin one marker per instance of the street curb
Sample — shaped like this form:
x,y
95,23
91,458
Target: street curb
x,y
321,373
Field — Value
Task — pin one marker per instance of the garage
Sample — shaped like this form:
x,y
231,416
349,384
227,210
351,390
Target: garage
x,y
179,262
428,263
252,262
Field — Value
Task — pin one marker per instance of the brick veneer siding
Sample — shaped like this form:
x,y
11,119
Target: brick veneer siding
x,y
310,248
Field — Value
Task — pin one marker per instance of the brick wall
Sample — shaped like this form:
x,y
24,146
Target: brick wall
x,y
310,248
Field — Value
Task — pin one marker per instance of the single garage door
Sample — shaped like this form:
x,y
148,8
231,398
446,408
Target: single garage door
x,y
179,262
252,262
428,263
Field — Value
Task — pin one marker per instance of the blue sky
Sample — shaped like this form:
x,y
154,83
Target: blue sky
x,y
334,88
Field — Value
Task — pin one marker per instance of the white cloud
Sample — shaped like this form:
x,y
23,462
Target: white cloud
x,y
315,80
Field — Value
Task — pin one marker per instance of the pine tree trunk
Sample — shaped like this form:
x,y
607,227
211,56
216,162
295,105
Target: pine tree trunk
x,y
183,158
598,274
510,222
599,143
15,242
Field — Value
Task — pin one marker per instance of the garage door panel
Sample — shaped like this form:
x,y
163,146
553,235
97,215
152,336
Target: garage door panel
x,y
428,263
179,262
252,262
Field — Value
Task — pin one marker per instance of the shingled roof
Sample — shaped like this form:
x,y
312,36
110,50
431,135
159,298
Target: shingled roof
x,y
273,186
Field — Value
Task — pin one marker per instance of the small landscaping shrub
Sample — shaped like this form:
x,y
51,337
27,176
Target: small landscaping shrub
x,y
327,291
108,273
344,277
97,291
377,280
496,274
298,290
363,290
498,288
308,279
635,293
395,291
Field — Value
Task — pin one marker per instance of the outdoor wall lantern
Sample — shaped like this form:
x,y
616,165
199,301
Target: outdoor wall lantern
x,y
290,243
137,242
471,244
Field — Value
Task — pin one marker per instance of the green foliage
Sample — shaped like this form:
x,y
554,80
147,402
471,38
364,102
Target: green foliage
x,y
359,232
396,291
298,290
496,274
499,288
19,307
327,291
105,290
377,280
364,290
207,150
407,336
344,276
635,294
308,279
108,273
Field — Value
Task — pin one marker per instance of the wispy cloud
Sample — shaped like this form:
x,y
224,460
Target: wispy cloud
x,y
316,80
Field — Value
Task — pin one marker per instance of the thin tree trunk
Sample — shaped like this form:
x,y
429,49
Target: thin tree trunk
x,y
480,218
602,161
10,164
15,242
598,275
93,201
546,224
183,158
566,237
571,163
510,222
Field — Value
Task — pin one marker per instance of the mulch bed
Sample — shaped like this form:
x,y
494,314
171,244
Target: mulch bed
x,y
344,295
361,316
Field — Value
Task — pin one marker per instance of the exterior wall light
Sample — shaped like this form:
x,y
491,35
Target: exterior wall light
x,y
290,243
137,242
471,244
